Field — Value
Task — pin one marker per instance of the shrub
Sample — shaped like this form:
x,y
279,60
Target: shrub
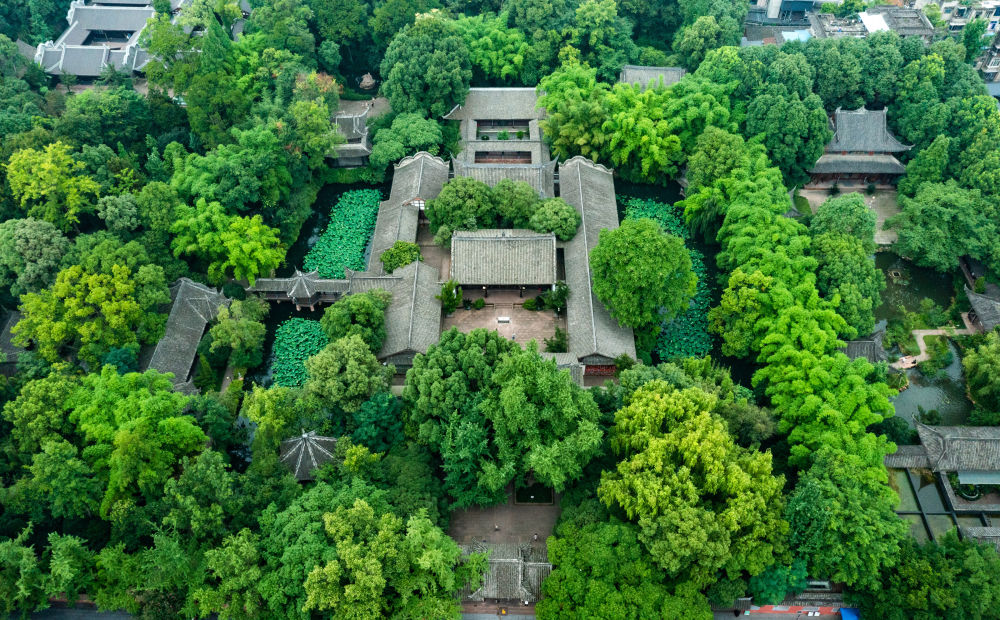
x,y
503,135
555,299
520,134
558,343
401,253
980,285
342,246
529,304
870,189
479,304
451,296
556,216
295,340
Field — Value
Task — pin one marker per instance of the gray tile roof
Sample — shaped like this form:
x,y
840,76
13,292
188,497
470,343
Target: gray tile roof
x,y
830,163
986,308
862,131
515,573
194,306
539,176
987,535
503,257
497,104
418,176
306,452
650,77
413,318
961,448
301,286
908,457
869,348
593,333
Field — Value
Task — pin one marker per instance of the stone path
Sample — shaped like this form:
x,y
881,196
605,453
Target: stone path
x,y
909,361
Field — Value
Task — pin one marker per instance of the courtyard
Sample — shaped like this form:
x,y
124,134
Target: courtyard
x,y
504,313
883,202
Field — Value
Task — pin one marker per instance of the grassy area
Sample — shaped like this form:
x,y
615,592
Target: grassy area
x,y
801,204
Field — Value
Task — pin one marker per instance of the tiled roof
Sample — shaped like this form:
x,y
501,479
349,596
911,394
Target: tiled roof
x,y
987,535
863,131
503,257
986,308
539,176
908,457
194,306
413,318
516,572
961,448
306,452
830,163
497,104
590,189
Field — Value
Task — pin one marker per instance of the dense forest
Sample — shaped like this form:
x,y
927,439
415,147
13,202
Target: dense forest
x,y
680,487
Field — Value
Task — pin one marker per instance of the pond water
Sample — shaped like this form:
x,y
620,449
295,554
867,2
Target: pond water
x,y
907,291
944,392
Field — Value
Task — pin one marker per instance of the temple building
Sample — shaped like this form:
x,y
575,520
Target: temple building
x,y
862,150
500,138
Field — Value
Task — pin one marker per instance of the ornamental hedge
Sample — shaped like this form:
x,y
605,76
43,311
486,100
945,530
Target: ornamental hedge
x,y
687,334
343,244
295,340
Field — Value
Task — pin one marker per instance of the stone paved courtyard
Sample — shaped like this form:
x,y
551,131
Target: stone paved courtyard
x,y
517,523
524,324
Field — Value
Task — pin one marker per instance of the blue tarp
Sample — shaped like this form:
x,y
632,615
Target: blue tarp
x,y
850,613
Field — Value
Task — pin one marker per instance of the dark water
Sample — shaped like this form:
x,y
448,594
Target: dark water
x,y
667,194
944,392
907,291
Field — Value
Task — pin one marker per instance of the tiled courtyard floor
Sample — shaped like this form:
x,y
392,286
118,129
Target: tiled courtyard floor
x,y
524,324
517,523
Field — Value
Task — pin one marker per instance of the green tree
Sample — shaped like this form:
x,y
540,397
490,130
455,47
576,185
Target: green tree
x,y
542,423
30,252
49,186
239,328
982,372
603,38
108,116
795,131
346,373
136,433
198,503
642,274
57,483
929,166
22,583
90,313
842,519
695,40
847,214
408,134
771,586
36,414
948,577
556,216
516,202
120,213
463,204
450,296
234,572
574,101
599,570
401,253
284,25
702,503
426,68
378,423
846,269
943,222
972,38
442,393
241,247
381,563
71,567
361,314
497,53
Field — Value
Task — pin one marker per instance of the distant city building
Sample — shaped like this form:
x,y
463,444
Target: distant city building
x,y
905,22
862,149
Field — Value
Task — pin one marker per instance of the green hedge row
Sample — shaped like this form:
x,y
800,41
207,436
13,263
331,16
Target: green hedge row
x,y
342,246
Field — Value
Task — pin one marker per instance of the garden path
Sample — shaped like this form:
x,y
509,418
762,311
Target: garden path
x,y
909,361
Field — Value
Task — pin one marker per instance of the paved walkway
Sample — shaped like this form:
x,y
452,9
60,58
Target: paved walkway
x,y
909,361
